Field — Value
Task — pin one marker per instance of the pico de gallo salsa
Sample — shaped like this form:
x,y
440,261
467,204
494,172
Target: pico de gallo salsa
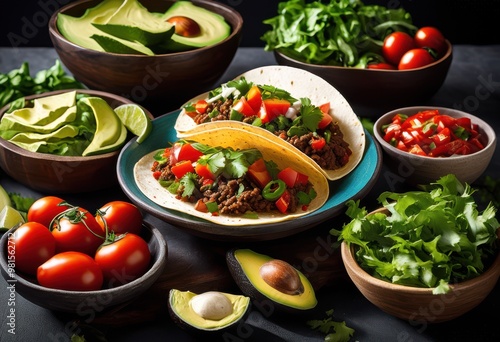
x,y
433,134
231,182
308,127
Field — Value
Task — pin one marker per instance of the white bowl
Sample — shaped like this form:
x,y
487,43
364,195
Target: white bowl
x,y
415,169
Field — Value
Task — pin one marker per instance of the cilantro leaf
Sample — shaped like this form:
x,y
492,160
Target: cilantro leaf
x,y
311,115
188,181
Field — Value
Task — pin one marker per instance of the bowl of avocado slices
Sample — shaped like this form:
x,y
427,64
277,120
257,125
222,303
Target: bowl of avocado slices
x,y
157,53
68,141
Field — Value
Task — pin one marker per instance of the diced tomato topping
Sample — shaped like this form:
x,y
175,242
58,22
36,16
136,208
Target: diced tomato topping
x,y
181,168
201,106
318,143
203,170
327,118
272,108
181,152
243,107
157,174
258,173
283,202
254,98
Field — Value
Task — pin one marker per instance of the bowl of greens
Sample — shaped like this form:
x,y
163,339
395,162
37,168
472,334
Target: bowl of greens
x,y
425,256
359,49
68,141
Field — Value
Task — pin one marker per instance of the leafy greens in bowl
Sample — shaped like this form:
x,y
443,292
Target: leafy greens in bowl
x,y
339,32
427,239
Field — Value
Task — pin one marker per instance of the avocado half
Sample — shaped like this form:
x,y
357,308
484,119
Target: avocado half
x,y
265,279
185,312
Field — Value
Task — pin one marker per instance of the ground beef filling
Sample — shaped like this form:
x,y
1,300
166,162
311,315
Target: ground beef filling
x,y
231,201
334,155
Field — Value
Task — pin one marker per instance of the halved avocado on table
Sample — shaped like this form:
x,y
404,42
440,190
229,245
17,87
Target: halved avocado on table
x,y
262,277
211,311
213,27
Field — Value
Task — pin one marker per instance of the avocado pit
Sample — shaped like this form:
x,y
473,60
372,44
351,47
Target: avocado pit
x,y
282,276
185,26
211,305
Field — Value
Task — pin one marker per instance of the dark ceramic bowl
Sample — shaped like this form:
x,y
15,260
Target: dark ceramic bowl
x,y
372,90
87,302
165,80
62,174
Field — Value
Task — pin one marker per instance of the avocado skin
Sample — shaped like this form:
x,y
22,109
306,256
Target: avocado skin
x,y
264,303
226,332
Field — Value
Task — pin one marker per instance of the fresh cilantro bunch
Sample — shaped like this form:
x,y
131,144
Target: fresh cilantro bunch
x,y
431,238
334,32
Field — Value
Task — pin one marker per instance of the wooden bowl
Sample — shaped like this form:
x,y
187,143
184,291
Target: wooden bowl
x,y
165,79
415,169
61,174
372,90
88,301
416,304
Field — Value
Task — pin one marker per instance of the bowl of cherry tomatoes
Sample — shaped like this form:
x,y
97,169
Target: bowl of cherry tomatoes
x,y
407,70
87,262
422,144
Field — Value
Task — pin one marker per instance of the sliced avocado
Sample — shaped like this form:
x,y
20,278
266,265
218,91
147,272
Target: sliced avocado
x,y
79,30
133,22
199,312
110,131
288,289
214,28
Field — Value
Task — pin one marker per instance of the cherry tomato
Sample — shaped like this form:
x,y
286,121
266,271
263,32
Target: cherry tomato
x,y
415,58
121,217
430,37
396,45
77,230
44,209
32,245
123,259
72,271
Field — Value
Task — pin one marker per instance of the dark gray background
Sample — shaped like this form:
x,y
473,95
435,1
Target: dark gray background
x,y
24,23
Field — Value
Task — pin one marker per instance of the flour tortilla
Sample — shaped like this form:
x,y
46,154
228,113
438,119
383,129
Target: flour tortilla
x,y
299,83
236,139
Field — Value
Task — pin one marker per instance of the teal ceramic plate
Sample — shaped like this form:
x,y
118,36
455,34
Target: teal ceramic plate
x,y
353,186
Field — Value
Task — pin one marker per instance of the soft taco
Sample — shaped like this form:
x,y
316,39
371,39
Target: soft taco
x,y
231,177
290,106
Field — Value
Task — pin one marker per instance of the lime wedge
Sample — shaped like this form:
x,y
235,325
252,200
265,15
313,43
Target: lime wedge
x,y
4,198
136,120
10,217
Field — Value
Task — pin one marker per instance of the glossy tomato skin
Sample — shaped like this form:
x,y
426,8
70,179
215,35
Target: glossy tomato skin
x,y
72,271
396,45
430,37
44,209
33,244
121,217
123,260
79,232
415,58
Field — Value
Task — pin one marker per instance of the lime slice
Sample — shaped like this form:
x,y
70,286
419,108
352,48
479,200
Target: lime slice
x,y
4,198
136,120
10,217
